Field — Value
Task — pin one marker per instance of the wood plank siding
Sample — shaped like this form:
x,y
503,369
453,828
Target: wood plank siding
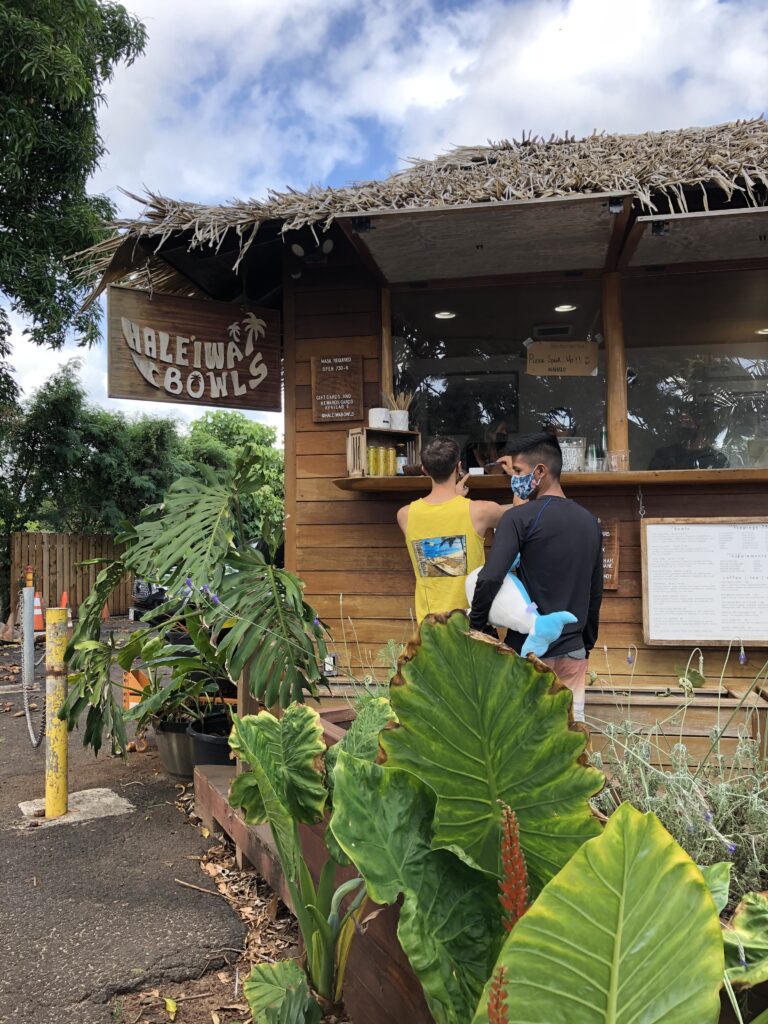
x,y
347,547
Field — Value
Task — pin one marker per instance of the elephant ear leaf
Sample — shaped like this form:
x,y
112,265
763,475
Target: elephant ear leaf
x,y
481,725
603,942
285,781
746,941
718,879
450,921
278,994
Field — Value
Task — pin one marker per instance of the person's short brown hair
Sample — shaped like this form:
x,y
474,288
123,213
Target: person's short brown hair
x,y
440,458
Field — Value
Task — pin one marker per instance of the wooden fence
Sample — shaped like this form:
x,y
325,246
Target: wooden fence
x,y
54,558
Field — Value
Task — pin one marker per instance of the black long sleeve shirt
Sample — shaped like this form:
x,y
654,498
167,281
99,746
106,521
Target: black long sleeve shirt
x,y
561,566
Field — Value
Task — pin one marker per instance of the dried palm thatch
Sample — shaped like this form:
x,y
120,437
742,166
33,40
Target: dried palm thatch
x,y
659,168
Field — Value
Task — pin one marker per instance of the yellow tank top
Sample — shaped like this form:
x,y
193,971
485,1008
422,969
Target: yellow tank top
x,y
444,549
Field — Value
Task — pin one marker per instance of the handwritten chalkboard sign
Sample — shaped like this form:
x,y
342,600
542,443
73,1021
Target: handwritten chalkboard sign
x,y
705,581
337,388
562,359
610,528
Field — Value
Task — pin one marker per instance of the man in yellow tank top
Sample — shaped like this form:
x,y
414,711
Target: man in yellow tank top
x,y
445,532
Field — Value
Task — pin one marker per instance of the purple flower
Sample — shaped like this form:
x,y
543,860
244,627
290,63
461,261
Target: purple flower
x,y
188,582
630,659
214,599
708,817
205,588
731,847
742,657
316,621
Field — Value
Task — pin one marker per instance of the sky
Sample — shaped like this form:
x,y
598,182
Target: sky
x,y
239,96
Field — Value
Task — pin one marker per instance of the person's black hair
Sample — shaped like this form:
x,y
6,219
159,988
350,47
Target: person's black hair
x,y
440,457
537,448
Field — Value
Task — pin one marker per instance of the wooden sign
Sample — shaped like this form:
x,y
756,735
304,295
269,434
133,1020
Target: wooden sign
x,y
337,388
168,348
610,528
705,581
562,359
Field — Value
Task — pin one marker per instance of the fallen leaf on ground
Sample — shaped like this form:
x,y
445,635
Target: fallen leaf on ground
x,y
205,832
215,1018
272,908
171,1008
223,977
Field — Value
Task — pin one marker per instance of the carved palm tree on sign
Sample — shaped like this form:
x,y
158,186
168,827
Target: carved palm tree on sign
x,y
234,331
255,328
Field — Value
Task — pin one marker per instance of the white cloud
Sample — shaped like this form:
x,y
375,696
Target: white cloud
x,y
239,96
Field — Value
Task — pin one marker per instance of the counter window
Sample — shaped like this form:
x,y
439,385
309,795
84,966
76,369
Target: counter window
x,y
697,370
467,367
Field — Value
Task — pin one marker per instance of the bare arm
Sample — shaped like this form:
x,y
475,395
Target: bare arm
x,y
486,515
402,518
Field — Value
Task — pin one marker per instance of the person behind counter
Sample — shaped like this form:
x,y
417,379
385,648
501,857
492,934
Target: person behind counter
x,y
445,532
561,559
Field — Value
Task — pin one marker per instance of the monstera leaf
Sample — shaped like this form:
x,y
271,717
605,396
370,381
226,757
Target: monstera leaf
x,y
626,932
481,725
746,941
450,921
285,783
279,994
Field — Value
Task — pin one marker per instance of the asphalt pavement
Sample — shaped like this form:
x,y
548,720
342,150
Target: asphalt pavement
x,y
91,910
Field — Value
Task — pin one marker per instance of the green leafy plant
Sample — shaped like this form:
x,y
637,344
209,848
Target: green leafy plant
x,y
279,994
627,931
450,923
477,728
746,941
285,786
258,622
481,725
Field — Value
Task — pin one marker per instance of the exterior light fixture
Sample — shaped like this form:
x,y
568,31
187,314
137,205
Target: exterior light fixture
x,y
763,330
445,314
565,308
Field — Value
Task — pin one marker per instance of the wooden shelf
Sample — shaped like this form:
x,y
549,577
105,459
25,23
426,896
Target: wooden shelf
x,y
420,484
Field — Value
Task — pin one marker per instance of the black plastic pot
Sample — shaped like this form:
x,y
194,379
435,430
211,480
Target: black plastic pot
x,y
174,745
210,739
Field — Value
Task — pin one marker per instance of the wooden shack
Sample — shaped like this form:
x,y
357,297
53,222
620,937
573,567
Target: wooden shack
x,y
635,267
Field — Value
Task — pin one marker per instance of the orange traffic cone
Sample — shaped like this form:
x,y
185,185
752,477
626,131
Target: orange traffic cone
x,y
39,618
64,603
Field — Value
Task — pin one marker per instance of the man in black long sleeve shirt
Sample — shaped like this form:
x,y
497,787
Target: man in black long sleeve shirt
x,y
561,559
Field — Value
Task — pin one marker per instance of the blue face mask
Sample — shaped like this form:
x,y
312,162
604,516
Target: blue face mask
x,y
523,486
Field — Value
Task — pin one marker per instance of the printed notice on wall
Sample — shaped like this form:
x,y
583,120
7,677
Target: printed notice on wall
x,y
562,359
337,388
705,581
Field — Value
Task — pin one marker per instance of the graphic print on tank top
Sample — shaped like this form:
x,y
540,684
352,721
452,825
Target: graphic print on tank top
x,y
441,556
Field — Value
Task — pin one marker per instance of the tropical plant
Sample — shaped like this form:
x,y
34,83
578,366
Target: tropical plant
x,y
481,726
285,786
627,931
746,941
480,734
195,543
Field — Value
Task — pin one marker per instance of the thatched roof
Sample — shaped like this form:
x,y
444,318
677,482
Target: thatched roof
x,y
665,171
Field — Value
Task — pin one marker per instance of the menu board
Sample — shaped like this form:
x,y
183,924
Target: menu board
x,y
337,388
705,581
610,528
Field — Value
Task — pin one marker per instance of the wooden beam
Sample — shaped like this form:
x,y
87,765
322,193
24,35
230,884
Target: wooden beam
x,y
387,375
631,243
713,267
621,224
361,249
615,365
495,281
289,382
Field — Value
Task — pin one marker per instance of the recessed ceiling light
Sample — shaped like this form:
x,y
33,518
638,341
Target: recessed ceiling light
x,y
763,330
565,308
444,314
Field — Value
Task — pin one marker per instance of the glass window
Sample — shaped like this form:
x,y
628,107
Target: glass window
x,y
697,370
467,369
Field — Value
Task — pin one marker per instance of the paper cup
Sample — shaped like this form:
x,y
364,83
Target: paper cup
x,y
378,419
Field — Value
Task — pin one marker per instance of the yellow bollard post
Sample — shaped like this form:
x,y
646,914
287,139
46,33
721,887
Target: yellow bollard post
x,y
56,731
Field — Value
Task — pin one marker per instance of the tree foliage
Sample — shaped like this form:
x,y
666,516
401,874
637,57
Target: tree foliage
x,y
56,57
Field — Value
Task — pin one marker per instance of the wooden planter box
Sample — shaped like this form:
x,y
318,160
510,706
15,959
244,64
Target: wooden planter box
x,y
379,985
